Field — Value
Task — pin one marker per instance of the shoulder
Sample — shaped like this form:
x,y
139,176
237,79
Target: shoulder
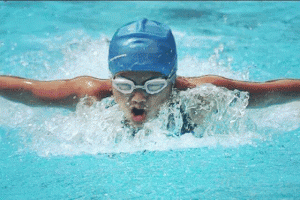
x,y
86,85
191,82
88,81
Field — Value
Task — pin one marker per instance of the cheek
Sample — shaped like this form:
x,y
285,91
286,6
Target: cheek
x,y
162,97
120,98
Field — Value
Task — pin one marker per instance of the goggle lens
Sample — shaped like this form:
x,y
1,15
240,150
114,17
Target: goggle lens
x,y
123,86
155,86
152,86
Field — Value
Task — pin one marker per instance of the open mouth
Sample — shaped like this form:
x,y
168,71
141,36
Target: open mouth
x,y
137,111
138,115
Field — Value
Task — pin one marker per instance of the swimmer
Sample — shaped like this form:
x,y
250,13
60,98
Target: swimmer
x,y
143,63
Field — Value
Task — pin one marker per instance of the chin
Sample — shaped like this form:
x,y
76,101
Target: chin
x,y
135,125
138,125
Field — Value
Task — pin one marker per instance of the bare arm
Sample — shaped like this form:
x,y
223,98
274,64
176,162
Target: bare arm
x,y
261,94
63,93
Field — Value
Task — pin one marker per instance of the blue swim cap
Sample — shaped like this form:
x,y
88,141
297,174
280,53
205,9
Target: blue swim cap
x,y
143,45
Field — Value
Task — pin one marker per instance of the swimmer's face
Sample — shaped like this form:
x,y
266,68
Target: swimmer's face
x,y
139,106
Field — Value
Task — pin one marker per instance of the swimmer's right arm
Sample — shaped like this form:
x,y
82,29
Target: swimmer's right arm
x,y
60,93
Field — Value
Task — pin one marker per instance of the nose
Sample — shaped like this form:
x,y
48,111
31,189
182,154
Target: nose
x,y
139,97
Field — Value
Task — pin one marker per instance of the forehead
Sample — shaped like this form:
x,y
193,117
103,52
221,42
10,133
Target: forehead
x,y
139,76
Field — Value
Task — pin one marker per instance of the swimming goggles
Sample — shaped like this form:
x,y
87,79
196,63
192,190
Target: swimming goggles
x,y
153,86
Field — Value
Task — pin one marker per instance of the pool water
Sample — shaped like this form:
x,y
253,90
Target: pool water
x,y
53,153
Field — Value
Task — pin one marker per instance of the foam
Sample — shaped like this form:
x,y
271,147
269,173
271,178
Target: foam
x,y
99,128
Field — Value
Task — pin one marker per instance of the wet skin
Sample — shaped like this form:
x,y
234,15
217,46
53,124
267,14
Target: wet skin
x,y
139,106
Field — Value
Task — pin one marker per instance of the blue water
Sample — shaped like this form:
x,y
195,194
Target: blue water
x,y
52,153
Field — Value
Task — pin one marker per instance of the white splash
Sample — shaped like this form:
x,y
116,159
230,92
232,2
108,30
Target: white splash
x,y
99,128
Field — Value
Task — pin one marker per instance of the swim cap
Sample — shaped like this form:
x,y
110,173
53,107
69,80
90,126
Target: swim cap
x,y
143,45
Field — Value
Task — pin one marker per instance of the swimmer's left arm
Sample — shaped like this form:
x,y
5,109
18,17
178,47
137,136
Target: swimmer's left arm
x,y
262,94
